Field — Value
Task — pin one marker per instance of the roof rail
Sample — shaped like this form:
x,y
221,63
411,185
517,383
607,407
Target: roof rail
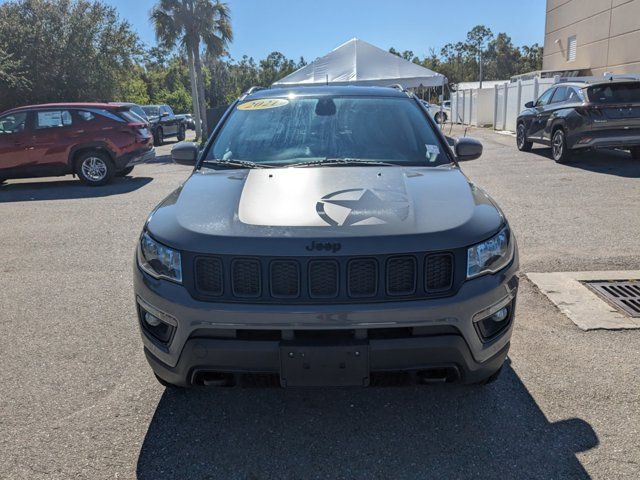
x,y
253,89
397,86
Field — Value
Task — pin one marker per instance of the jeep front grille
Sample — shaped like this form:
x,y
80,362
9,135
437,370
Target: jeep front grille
x,y
438,272
209,275
362,277
321,280
245,277
401,275
285,278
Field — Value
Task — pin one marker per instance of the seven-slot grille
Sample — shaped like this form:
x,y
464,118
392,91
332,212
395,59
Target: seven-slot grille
x,y
323,280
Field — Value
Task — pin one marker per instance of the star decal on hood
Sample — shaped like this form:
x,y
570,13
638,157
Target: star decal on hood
x,y
363,206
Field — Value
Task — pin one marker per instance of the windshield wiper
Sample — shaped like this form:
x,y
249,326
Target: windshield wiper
x,y
236,163
343,161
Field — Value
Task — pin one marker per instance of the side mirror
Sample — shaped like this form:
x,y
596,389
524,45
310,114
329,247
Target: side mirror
x,y
185,153
467,148
529,105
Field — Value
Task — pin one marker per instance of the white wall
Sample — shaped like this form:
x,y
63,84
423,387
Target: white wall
x,y
498,106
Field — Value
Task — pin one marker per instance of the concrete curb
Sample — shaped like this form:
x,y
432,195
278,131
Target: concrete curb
x,y
580,304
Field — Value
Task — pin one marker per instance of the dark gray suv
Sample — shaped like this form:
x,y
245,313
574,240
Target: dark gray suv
x,y
326,236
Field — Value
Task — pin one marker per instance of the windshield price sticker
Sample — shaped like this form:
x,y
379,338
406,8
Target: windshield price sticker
x,y
263,104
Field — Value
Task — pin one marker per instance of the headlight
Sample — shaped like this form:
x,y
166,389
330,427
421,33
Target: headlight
x,y
491,255
158,260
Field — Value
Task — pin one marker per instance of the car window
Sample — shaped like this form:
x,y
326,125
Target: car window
x,y
168,109
283,131
544,98
560,95
13,123
615,93
53,119
574,95
85,116
152,110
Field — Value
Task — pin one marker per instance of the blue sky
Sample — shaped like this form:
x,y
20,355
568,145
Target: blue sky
x,y
312,28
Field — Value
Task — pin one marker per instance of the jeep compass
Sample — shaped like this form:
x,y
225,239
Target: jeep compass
x,y
326,237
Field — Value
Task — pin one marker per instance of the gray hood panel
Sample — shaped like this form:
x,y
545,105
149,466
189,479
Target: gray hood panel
x,y
280,211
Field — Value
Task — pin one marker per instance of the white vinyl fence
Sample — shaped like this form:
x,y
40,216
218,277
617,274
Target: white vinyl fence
x,y
498,106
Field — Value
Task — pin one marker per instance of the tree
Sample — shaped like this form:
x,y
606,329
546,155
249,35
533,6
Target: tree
x,y
503,59
407,55
134,89
11,76
477,39
531,58
191,23
275,67
68,50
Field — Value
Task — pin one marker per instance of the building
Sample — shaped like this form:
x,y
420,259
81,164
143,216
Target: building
x,y
593,36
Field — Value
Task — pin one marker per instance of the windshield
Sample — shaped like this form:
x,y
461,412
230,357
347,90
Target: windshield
x,y
131,116
152,110
138,111
285,131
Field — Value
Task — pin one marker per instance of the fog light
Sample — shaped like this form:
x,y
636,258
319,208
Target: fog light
x,y
492,325
155,327
500,315
151,320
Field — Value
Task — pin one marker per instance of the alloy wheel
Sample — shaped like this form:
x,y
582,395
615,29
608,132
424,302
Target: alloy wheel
x,y
520,136
94,169
558,145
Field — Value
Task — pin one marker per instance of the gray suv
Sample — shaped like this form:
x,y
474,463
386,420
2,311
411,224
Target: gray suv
x,y
326,236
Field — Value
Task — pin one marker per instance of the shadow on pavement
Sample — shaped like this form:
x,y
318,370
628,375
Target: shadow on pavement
x,y
162,159
67,189
497,431
609,162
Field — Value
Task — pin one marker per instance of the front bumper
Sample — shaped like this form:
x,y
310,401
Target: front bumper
x,y
400,336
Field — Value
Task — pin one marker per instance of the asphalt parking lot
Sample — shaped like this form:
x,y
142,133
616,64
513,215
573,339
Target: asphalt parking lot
x,y
79,401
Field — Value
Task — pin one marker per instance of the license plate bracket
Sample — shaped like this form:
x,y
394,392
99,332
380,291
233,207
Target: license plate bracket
x,y
324,365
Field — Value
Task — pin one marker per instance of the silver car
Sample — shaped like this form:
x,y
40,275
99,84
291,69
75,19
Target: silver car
x,y
326,236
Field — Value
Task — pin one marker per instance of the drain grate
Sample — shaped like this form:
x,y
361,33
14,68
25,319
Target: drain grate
x,y
623,294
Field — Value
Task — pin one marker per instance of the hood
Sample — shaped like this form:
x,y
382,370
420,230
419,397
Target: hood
x,y
365,209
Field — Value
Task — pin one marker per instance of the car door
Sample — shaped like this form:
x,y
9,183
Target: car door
x,y
536,125
558,102
170,121
53,137
15,142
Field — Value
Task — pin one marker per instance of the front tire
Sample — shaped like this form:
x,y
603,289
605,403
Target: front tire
x,y
94,168
523,144
182,133
158,138
124,172
559,149
635,154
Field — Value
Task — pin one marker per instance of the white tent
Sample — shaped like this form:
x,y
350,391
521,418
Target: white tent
x,y
357,62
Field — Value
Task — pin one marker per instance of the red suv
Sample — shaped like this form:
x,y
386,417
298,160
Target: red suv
x,y
92,140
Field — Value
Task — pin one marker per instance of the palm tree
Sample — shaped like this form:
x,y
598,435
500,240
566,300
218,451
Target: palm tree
x,y
191,23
